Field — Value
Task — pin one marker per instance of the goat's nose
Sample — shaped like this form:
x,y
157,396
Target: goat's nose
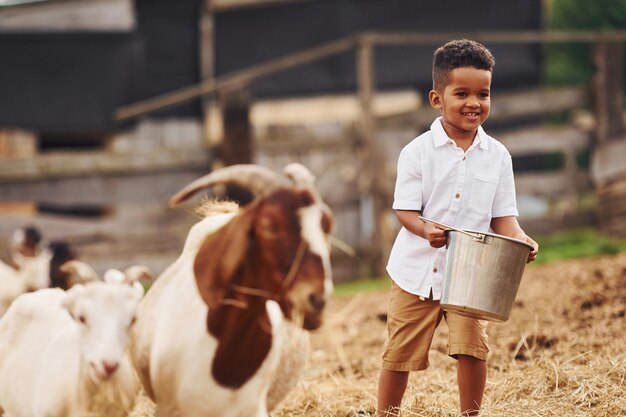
x,y
110,367
317,301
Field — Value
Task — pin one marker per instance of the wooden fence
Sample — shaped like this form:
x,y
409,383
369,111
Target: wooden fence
x,y
367,148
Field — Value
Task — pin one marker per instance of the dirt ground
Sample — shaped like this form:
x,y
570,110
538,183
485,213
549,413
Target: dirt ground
x,y
561,353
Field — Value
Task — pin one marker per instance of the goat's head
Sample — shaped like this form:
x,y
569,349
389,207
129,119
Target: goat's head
x,y
277,247
26,241
104,313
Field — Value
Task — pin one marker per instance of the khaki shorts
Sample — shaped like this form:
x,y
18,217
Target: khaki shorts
x,y
411,324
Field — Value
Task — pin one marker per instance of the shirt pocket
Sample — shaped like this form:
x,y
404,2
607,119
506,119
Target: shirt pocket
x,y
482,193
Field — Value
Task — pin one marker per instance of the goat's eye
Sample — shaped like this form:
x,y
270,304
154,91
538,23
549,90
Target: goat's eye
x,y
82,319
132,321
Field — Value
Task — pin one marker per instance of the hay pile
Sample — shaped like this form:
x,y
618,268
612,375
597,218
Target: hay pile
x,y
560,354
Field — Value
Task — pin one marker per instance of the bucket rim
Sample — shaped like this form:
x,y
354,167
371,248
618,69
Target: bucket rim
x,y
511,239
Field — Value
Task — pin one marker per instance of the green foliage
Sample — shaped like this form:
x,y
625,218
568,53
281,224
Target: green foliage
x,y
362,285
585,14
571,63
576,244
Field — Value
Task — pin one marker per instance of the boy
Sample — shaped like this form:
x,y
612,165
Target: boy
x,y
458,175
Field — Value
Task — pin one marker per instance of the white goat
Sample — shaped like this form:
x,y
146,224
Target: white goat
x,y
211,332
31,264
63,354
33,274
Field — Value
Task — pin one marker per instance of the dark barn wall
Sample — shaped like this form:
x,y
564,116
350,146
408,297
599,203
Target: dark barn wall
x,y
60,82
169,35
56,82
248,36
53,82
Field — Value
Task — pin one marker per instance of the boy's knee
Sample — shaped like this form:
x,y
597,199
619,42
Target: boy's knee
x,y
469,358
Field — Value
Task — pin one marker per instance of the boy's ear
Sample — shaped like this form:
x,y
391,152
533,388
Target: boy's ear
x,y
435,99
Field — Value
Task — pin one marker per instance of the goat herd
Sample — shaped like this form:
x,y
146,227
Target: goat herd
x,y
221,332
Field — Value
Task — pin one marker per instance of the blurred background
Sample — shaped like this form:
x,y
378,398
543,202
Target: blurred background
x,y
108,107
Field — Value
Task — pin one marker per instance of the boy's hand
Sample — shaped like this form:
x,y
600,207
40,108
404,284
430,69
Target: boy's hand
x,y
508,226
533,254
525,238
435,235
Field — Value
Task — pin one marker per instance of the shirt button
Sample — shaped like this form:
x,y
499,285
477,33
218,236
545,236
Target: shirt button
x,y
457,196
464,158
435,269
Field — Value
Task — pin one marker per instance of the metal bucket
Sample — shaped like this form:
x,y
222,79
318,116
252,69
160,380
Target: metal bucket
x,y
483,273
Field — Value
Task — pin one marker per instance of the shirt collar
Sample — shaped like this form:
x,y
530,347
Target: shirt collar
x,y
440,137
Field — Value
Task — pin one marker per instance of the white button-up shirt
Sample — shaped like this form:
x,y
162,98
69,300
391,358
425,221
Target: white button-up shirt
x,y
462,189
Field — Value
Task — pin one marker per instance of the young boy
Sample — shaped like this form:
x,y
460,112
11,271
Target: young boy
x,y
458,175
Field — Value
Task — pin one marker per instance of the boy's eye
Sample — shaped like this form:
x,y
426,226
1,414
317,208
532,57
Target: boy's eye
x,y
484,95
461,94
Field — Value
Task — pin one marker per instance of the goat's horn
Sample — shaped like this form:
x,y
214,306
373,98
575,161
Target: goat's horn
x,y
83,271
299,174
137,273
258,179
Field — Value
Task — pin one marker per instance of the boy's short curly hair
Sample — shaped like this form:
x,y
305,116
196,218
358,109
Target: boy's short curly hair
x,y
458,54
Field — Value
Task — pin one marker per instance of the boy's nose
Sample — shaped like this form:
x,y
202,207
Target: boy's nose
x,y
473,101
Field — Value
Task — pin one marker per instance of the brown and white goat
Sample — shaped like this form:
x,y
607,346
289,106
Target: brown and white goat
x,y
211,331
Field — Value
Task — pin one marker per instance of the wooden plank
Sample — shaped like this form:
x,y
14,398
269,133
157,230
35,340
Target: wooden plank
x,y
544,139
17,143
549,184
607,164
20,208
341,108
70,16
498,37
225,5
520,104
79,164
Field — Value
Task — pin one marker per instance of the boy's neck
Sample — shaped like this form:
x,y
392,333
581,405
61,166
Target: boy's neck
x,y
464,140
464,143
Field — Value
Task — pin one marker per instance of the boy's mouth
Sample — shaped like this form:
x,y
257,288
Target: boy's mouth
x,y
471,115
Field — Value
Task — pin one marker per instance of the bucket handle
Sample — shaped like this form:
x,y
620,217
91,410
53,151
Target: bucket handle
x,y
476,236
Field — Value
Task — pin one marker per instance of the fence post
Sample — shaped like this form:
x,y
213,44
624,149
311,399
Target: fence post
x,y
608,87
608,169
236,146
372,157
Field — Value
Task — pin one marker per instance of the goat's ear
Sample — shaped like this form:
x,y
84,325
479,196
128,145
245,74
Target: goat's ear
x,y
221,256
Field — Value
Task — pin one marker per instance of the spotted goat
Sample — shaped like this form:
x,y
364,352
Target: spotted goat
x,y
214,330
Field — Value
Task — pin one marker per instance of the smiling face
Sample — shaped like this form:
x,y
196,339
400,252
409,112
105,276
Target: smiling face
x,y
464,102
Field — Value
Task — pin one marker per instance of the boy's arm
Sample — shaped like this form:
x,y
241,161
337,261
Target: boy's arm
x,y
508,226
410,219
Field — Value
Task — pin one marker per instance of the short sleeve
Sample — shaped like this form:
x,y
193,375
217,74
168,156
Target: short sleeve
x,y
408,191
504,203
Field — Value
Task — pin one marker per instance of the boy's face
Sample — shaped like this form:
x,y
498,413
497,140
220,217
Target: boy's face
x,y
464,102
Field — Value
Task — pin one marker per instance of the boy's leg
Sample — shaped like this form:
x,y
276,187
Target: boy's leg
x,y
471,376
411,323
468,344
391,387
